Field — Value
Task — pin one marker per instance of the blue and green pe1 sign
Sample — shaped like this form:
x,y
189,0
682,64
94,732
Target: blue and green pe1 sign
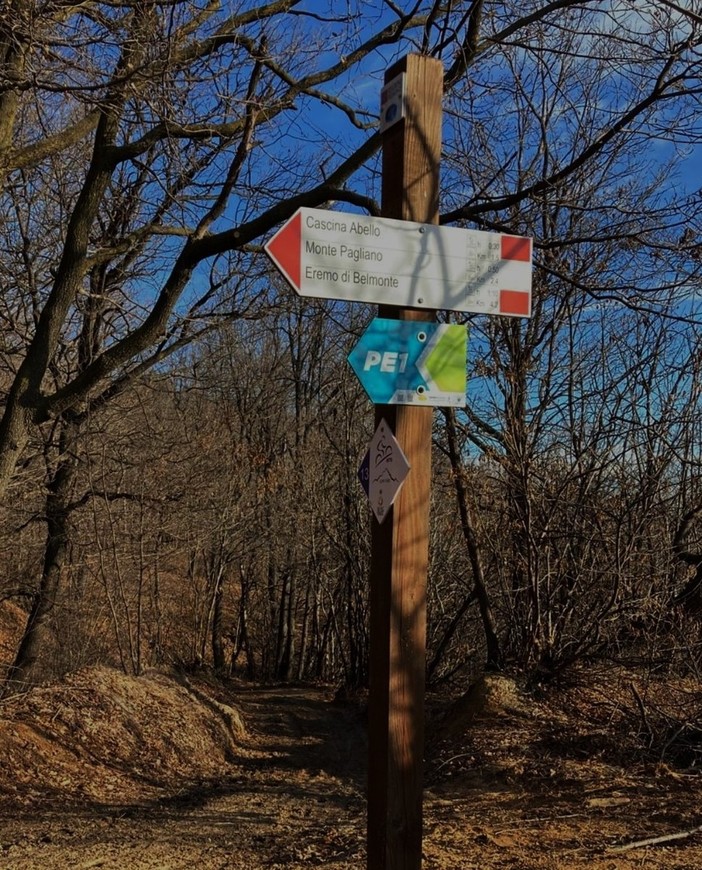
x,y
405,362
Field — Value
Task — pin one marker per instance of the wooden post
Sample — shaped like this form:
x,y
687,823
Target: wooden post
x,y
400,545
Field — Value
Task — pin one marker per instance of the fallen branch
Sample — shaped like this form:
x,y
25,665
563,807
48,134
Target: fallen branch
x,y
654,841
642,712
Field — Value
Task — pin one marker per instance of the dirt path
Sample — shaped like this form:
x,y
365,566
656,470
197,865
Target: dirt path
x,y
514,792
292,798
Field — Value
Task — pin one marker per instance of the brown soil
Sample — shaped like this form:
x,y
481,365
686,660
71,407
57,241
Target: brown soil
x,y
12,621
174,771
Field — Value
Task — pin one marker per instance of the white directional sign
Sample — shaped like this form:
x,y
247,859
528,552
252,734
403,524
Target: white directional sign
x,y
383,471
334,255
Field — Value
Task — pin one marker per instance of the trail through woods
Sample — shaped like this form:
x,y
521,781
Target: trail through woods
x,y
174,771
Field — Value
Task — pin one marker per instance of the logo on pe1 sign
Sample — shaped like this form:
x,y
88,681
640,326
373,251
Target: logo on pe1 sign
x,y
405,362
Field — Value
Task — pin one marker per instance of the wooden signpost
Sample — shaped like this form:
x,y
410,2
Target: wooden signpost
x,y
409,265
400,545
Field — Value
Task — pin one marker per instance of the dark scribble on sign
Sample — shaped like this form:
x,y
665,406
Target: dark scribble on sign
x,y
388,469
382,460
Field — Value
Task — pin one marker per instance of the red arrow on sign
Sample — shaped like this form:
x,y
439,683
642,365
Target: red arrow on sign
x,y
285,249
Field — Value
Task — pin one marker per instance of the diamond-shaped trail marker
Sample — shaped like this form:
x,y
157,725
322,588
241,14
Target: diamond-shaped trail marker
x,y
383,471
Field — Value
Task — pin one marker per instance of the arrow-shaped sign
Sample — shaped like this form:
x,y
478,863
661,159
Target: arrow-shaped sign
x,y
335,255
285,249
383,471
405,362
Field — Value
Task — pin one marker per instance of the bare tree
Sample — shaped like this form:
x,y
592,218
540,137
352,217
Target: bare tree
x,y
146,149
556,400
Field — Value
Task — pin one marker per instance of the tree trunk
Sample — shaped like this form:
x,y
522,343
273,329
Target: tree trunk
x,y
218,657
493,658
23,671
242,631
284,645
